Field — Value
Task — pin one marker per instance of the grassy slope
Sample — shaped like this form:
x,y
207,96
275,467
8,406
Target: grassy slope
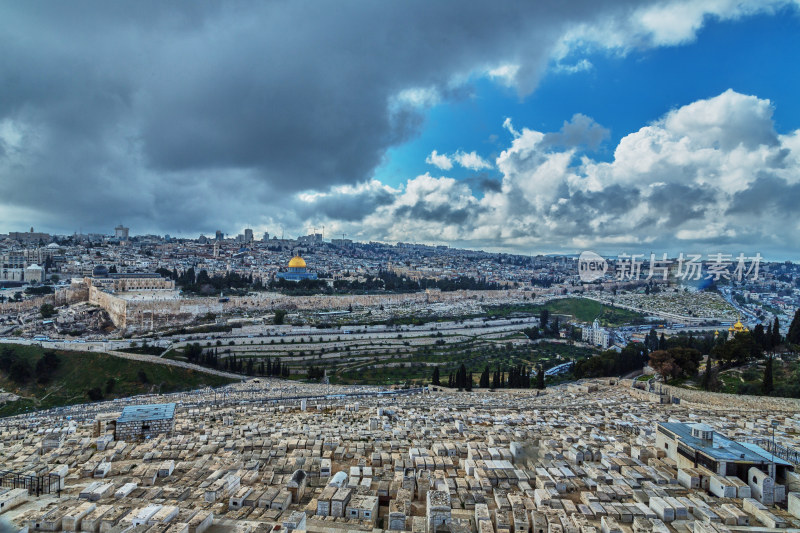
x,y
748,379
580,308
81,371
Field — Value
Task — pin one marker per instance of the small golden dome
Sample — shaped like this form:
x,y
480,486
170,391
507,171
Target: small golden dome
x,y
297,262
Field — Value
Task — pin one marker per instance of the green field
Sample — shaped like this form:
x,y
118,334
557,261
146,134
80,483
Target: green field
x,y
79,372
580,309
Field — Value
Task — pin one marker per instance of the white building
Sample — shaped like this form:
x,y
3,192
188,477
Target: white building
x,y
34,274
596,335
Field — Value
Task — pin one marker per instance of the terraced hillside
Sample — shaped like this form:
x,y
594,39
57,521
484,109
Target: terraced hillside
x,y
403,354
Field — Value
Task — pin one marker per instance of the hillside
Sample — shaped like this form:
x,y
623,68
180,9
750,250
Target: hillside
x,y
51,378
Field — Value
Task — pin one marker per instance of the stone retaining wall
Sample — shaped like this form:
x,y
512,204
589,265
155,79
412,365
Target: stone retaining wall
x,y
718,399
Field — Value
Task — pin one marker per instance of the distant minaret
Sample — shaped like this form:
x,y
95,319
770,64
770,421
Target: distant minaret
x,y
216,248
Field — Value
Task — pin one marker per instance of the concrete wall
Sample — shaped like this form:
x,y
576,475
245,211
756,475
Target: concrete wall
x,y
794,504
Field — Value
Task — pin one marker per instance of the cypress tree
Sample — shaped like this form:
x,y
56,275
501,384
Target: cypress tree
x,y
707,374
461,377
768,339
484,381
759,337
793,336
544,316
776,334
767,386
435,379
540,379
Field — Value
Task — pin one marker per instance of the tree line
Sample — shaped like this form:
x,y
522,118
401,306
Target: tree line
x,y
517,377
250,366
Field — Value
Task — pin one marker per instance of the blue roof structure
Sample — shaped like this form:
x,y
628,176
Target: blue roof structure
x,y
140,413
722,448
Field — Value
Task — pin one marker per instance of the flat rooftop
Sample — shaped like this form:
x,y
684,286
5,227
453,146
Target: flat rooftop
x,y
722,448
156,411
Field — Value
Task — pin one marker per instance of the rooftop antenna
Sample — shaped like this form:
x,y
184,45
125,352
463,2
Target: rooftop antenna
x,y
323,232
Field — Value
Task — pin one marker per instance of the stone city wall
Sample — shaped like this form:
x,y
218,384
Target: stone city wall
x,y
10,308
72,295
114,306
274,300
145,315
149,313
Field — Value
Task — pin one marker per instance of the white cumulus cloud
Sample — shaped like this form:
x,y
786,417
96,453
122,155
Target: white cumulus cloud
x,y
441,161
471,160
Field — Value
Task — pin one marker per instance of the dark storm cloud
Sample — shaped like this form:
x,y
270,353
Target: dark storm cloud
x,y
349,207
767,194
680,203
579,215
483,182
439,213
489,184
225,109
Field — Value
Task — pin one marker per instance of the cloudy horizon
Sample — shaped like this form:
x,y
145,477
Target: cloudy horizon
x,y
545,128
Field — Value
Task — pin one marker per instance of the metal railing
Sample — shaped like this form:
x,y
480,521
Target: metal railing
x,y
35,484
789,455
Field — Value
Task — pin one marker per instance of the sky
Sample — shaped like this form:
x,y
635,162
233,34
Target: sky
x,y
531,127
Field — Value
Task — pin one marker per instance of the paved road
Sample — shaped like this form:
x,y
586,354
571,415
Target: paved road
x,y
170,362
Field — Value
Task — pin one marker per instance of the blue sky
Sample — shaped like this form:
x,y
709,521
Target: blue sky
x,y
755,55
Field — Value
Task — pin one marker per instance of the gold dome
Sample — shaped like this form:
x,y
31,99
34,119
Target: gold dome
x,y
297,262
738,327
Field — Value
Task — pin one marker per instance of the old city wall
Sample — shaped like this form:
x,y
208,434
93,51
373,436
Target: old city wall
x,y
715,399
273,300
114,306
141,284
71,295
149,314
153,313
10,308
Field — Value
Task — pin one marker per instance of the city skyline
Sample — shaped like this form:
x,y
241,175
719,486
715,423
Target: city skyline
x,y
536,129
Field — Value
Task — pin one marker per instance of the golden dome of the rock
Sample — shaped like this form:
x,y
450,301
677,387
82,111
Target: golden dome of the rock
x,y
297,262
